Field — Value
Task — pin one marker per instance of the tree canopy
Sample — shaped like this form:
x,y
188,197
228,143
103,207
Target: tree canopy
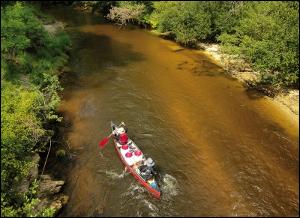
x,y
30,61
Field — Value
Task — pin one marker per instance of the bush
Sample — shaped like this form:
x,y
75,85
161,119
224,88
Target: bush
x,y
187,21
61,153
267,35
21,130
127,12
30,61
20,30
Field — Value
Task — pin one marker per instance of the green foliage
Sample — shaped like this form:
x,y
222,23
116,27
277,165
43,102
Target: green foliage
x,y
224,15
47,212
41,59
187,21
30,62
25,42
20,130
103,6
61,153
194,21
28,206
160,11
6,209
31,202
267,36
19,19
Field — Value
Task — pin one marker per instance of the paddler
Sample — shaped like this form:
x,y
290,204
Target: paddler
x,y
121,134
147,170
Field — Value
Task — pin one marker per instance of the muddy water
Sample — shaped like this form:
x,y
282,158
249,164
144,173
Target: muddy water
x,y
221,151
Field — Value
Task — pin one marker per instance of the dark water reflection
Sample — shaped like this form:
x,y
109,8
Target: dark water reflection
x,y
220,152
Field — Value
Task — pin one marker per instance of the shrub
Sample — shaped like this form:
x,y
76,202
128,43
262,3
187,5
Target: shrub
x,y
61,153
267,35
186,20
30,60
127,12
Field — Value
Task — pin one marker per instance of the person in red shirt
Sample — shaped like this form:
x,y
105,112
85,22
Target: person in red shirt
x,y
121,134
123,138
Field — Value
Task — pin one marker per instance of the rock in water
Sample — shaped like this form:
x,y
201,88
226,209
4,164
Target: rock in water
x,y
49,187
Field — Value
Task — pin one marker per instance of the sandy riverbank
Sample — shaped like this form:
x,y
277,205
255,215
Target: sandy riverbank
x,y
286,99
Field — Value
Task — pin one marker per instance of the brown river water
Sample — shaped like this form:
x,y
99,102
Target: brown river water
x,y
220,149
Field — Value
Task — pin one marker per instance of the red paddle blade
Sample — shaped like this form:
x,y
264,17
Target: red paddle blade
x,y
103,142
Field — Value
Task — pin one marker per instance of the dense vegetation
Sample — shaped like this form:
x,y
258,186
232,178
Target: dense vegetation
x,y
30,61
265,34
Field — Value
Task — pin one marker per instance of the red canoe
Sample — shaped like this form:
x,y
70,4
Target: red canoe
x,y
129,161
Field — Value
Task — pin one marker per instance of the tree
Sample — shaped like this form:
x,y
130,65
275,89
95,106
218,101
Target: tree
x,y
187,21
30,61
126,12
268,36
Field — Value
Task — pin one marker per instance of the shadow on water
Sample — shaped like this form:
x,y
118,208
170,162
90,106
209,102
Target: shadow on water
x,y
202,66
73,18
94,54
99,53
112,56
253,94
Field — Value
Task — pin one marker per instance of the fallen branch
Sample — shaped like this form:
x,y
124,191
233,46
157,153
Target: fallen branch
x,y
46,159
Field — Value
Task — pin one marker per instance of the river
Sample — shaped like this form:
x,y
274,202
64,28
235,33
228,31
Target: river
x,y
221,150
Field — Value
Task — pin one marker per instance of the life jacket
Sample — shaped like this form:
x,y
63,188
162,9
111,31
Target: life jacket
x,y
146,172
144,169
123,138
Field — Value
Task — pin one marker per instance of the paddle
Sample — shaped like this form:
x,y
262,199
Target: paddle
x,y
104,141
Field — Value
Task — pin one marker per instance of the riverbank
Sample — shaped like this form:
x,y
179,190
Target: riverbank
x,y
286,99
50,198
50,189
33,59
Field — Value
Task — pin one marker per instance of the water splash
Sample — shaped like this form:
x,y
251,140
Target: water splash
x,y
113,175
150,206
134,190
169,186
